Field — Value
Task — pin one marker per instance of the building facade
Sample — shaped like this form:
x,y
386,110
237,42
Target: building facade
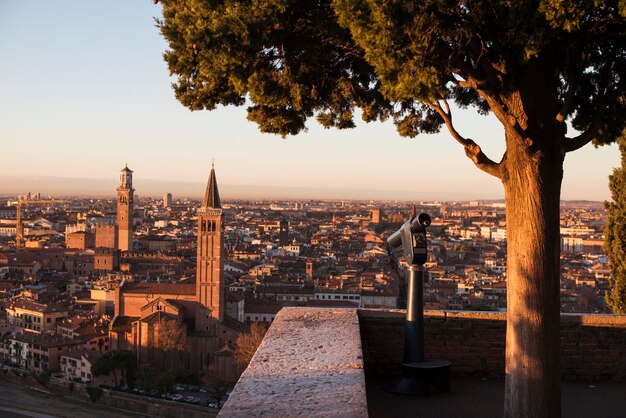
x,y
106,236
283,233
198,308
210,265
125,196
34,316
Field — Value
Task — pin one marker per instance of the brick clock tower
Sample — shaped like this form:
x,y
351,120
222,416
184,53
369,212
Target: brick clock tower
x,y
209,283
125,194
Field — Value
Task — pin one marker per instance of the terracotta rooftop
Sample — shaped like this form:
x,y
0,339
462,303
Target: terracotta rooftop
x,y
123,323
90,355
160,288
38,307
157,317
46,340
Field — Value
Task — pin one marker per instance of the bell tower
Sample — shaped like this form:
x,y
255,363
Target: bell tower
x,y
209,283
125,196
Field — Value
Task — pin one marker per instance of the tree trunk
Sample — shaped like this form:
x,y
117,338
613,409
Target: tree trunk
x,y
532,184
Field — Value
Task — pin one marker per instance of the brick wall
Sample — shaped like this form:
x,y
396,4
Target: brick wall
x,y
593,347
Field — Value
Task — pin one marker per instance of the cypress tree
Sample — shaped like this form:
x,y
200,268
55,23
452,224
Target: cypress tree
x,y
615,236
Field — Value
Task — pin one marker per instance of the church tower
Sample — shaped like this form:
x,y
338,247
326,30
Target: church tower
x,y
125,194
209,284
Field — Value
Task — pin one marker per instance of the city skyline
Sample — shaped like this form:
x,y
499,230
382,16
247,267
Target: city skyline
x,y
80,99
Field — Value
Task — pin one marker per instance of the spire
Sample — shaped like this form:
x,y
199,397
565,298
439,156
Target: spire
x,y
211,195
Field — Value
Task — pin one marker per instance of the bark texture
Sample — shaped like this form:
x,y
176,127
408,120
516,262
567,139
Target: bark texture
x,y
532,174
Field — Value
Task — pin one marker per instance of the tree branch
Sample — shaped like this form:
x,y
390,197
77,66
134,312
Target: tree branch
x,y
567,104
572,81
496,106
472,149
572,144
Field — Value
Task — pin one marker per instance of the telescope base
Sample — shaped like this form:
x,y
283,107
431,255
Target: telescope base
x,y
404,386
419,376
429,373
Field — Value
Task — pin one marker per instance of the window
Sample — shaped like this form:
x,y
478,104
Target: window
x,y
48,320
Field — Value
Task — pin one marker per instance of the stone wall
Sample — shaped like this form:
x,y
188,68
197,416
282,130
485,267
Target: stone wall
x,y
593,347
110,398
310,364
135,403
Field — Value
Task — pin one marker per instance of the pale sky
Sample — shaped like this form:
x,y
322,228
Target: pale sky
x,y
84,90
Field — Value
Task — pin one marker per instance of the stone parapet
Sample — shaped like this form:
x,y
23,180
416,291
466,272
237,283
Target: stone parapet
x,y
309,364
593,347
312,361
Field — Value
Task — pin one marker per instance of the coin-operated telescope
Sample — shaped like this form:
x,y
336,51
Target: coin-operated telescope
x,y
412,237
418,374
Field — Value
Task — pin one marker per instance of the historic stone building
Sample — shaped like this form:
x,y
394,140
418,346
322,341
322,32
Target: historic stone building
x,y
199,307
210,266
125,196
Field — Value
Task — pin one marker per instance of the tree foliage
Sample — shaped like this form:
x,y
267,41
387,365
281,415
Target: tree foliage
x,y
171,335
247,344
291,60
150,376
94,393
162,360
112,361
615,237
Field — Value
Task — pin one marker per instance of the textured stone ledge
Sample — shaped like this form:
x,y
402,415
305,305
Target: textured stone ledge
x,y
309,364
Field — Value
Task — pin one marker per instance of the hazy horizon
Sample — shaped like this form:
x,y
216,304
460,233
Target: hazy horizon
x,y
58,186
102,188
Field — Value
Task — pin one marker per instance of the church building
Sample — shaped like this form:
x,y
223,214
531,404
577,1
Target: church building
x,y
199,307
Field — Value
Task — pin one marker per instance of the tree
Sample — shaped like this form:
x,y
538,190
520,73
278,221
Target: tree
x,y
112,361
162,360
94,393
218,388
537,65
615,237
247,344
150,376
171,344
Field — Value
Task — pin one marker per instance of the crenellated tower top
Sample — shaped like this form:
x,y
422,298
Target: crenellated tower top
x,y
126,178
